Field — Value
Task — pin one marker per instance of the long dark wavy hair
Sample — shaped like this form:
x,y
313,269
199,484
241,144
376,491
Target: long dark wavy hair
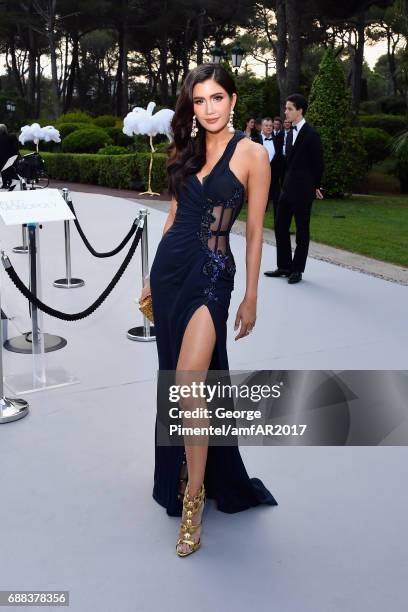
x,y
188,155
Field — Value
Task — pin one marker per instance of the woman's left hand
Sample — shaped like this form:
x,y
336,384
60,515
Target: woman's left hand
x,y
246,316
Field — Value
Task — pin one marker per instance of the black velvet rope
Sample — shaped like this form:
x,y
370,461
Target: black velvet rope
x,y
85,313
90,247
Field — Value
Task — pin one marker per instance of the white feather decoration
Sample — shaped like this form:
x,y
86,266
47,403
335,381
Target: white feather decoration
x,y
35,132
142,121
51,134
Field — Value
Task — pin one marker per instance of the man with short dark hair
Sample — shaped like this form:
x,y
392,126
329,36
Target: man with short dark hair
x,y
287,126
301,185
274,147
277,126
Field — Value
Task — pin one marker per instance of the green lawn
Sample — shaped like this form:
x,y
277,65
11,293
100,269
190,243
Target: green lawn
x,y
376,226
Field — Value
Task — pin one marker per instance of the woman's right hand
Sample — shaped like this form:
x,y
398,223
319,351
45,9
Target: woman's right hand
x,y
145,292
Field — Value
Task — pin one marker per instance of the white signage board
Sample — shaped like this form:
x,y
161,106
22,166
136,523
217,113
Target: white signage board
x,y
9,163
33,206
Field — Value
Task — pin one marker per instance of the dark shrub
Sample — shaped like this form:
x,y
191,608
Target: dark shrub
x,y
86,140
330,112
376,143
392,124
105,121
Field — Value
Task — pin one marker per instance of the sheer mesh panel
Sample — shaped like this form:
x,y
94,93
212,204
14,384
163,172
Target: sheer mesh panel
x,y
221,224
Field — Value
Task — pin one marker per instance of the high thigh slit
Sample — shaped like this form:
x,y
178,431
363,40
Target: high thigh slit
x,y
195,266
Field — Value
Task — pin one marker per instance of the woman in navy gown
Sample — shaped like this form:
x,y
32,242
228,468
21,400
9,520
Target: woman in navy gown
x,y
211,168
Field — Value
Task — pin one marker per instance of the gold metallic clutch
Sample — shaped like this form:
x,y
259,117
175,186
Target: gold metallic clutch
x,y
146,306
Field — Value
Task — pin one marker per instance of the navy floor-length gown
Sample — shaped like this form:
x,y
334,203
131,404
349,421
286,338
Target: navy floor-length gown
x,y
193,266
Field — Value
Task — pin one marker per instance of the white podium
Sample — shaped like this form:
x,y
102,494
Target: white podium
x,y
34,207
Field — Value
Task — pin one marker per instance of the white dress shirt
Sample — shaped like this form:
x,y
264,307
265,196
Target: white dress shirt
x,y
269,146
298,128
285,137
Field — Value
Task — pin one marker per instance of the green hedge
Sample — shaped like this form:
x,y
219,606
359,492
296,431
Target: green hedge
x,y
392,124
376,143
118,171
113,150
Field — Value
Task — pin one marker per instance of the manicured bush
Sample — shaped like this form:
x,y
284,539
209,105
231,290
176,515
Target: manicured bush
x,y
330,113
113,150
86,140
105,121
392,124
75,117
376,143
393,105
65,129
118,171
370,107
118,137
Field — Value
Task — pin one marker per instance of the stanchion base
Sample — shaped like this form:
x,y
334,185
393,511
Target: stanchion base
x,y
138,334
64,283
23,344
12,409
25,382
21,249
150,193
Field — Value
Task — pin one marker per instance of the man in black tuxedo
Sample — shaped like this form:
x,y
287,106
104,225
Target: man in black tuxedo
x,y
273,145
287,139
278,139
8,148
301,185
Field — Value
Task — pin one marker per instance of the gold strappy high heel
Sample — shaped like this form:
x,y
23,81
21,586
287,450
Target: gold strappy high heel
x,y
191,506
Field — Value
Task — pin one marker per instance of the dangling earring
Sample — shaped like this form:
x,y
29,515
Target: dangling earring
x,y
194,128
230,125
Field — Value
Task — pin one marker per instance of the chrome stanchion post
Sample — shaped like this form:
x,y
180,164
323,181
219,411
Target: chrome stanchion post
x,y
36,314
68,282
35,342
10,409
145,332
22,249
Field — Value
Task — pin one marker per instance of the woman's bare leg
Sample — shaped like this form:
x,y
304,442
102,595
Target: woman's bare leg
x,y
193,363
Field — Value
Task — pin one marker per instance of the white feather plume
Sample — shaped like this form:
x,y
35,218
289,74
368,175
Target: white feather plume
x,y
142,121
35,132
51,134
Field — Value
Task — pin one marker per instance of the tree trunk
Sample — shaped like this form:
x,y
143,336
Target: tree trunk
x,y
164,90
392,67
294,46
32,59
38,98
125,94
200,36
119,73
281,47
15,71
72,72
357,62
53,56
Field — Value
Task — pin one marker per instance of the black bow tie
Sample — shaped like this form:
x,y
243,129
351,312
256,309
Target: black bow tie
x,y
294,127
269,138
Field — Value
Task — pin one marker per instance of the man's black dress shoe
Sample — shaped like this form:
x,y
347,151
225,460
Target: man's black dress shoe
x,y
295,277
277,272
